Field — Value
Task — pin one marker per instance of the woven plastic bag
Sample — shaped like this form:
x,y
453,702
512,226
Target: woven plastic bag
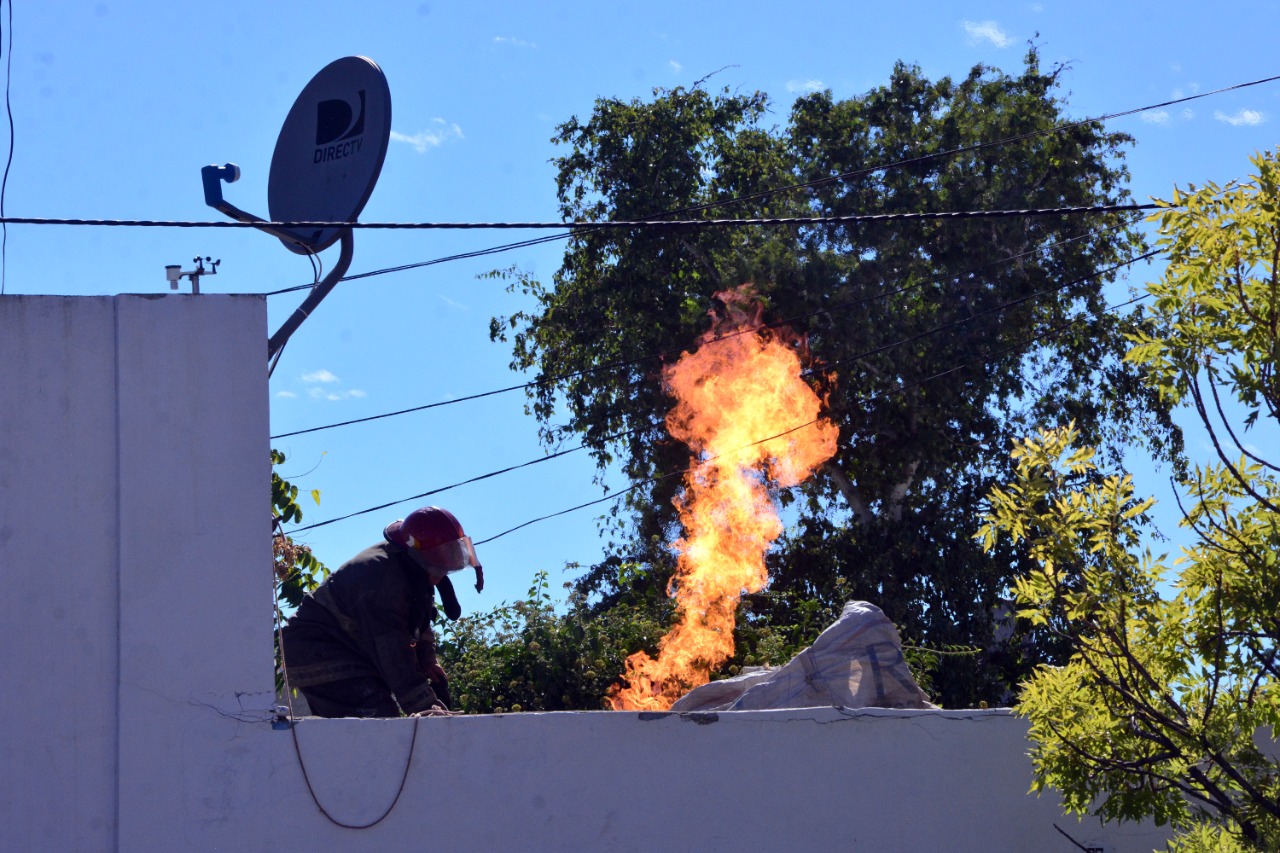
x,y
856,662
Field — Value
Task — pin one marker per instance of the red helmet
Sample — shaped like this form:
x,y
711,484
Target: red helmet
x,y
439,540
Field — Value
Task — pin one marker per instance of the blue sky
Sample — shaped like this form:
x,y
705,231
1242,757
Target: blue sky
x,y
117,105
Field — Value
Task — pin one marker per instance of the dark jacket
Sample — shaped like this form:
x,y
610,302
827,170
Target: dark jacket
x,y
371,617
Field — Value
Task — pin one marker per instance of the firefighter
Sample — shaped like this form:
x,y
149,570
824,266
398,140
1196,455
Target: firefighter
x,y
360,644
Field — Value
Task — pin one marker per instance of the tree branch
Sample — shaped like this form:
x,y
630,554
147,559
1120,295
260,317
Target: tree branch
x,y
852,495
1213,386
1217,446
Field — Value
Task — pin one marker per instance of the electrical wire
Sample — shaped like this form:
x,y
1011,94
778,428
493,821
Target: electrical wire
x,y
650,223
842,176
422,408
997,355
870,399
4,221
4,183
993,310
595,226
428,494
612,497
493,250
924,158
317,270
629,362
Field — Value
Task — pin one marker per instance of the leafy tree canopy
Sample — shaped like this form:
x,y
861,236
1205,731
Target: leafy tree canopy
x,y
936,342
1168,706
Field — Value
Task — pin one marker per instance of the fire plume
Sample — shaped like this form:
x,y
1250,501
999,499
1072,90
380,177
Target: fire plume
x,y
751,419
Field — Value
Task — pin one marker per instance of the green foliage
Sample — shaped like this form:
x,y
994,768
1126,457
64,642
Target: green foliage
x,y
891,518
1208,838
1168,704
297,571
527,657
763,640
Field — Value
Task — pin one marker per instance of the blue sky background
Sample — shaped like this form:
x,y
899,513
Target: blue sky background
x,y
117,105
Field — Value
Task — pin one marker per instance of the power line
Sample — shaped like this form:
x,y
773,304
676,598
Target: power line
x,y
422,408
993,310
428,494
649,223
810,184
493,250
532,521
594,226
998,355
4,183
710,205
924,158
614,365
870,399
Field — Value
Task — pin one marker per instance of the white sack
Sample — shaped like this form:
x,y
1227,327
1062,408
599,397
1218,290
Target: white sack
x,y
856,662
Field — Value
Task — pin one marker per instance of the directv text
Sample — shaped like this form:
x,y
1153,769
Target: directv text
x,y
336,152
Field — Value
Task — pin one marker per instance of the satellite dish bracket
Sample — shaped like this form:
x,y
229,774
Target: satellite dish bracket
x,y
213,176
346,250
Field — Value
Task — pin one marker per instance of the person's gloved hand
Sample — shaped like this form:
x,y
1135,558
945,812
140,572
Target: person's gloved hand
x,y
436,711
435,673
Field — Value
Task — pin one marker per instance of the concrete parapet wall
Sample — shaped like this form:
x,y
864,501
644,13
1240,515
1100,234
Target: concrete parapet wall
x,y
808,779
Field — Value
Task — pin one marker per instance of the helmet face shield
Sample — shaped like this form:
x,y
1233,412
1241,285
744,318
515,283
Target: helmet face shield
x,y
451,556
436,542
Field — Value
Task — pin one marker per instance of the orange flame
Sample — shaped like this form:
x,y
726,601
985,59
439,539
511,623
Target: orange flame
x,y
743,407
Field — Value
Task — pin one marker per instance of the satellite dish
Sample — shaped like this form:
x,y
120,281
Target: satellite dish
x,y
327,159
330,150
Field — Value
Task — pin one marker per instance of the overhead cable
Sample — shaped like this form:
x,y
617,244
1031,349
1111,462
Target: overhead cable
x,y
719,203
992,310
709,205
428,494
820,181
997,355
628,362
493,250
594,226
869,399
952,152
8,163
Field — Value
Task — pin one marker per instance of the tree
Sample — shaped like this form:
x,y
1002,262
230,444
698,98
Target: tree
x,y
1168,705
886,307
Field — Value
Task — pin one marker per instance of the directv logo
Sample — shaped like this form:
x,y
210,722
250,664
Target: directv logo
x,y
337,134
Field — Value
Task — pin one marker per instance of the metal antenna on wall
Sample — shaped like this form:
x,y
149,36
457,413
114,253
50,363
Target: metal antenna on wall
x,y
175,273
326,162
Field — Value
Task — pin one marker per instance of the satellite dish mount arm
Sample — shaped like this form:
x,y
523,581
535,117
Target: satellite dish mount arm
x,y
346,249
213,176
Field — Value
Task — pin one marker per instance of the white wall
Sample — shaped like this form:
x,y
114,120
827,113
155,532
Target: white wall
x,y
134,509
136,694
60,570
